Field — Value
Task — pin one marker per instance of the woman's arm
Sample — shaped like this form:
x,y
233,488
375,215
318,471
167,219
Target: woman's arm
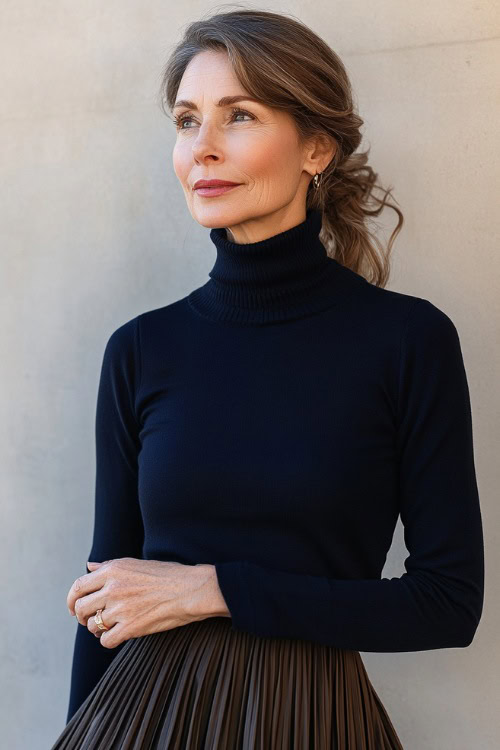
x,y
438,602
118,526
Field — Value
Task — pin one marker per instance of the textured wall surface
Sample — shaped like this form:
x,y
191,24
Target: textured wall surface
x,y
95,230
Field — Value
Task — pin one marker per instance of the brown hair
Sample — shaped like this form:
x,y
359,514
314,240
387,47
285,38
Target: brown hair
x,y
282,62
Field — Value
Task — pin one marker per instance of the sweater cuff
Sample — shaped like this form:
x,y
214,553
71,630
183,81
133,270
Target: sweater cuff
x,y
235,588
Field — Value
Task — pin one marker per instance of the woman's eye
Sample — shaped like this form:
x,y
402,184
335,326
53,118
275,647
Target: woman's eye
x,y
179,121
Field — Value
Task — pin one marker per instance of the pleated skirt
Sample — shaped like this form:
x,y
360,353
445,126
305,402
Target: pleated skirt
x,y
204,686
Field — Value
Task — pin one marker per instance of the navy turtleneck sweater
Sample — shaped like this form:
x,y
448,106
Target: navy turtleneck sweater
x,y
275,423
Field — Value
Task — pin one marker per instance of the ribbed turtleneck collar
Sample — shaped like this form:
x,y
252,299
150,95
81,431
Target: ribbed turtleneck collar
x,y
286,276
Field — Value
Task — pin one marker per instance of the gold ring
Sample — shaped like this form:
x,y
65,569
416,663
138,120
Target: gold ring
x,y
98,620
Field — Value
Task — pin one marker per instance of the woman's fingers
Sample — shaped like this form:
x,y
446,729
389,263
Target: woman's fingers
x,y
80,587
85,584
116,635
87,606
107,621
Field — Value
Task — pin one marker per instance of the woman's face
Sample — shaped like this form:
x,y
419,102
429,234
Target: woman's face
x,y
257,148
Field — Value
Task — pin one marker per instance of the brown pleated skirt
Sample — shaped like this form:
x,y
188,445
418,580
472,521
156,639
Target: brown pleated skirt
x,y
203,686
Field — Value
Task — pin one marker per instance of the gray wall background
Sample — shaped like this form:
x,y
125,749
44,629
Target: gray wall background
x,y
95,230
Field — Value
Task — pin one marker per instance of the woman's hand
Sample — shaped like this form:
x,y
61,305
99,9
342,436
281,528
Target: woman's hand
x,y
138,597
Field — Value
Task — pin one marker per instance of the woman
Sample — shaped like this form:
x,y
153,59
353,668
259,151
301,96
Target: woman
x,y
257,439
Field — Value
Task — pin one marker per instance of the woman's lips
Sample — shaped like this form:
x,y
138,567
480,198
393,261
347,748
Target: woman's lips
x,y
211,192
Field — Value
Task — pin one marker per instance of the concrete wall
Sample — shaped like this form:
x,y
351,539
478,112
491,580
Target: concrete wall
x,y
95,230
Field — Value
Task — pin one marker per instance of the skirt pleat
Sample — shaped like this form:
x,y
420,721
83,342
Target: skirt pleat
x,y
204,686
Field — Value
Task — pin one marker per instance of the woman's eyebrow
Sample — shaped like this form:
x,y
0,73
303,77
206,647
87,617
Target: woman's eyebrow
x,y
224,102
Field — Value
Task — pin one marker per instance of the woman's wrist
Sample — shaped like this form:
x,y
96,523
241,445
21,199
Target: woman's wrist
x,y
207,600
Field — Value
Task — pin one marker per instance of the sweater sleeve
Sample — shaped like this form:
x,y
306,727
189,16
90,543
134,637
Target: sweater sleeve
x,y
118,527
437,602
